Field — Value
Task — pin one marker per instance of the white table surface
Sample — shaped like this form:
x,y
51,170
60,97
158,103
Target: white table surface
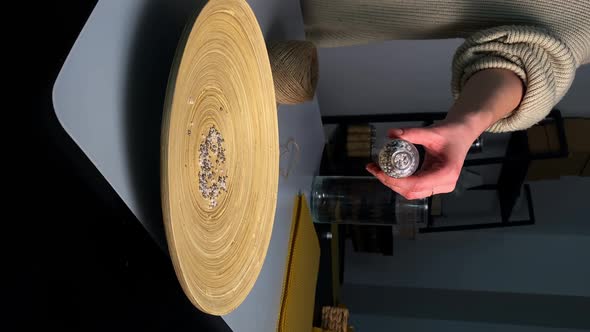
x,y
109,96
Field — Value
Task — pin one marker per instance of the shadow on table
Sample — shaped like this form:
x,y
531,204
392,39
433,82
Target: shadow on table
x,y
152,51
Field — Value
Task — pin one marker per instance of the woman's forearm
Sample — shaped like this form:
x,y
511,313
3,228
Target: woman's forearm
x,y
488,96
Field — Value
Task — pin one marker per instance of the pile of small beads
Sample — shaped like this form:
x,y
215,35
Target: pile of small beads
x,y
212,180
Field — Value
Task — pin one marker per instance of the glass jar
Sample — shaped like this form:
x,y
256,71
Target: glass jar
x,y
363,200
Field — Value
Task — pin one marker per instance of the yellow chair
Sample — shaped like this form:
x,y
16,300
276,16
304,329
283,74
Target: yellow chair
x,y
298,299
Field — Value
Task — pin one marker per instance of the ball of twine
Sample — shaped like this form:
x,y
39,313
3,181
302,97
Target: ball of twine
x,y
294,65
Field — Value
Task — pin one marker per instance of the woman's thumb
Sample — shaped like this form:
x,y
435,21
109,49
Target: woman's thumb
x,y
413,135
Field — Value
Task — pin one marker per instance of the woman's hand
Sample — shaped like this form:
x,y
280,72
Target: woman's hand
x,y
489,95
446,146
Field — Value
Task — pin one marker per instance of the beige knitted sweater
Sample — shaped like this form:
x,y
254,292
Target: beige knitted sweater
x,y
542,41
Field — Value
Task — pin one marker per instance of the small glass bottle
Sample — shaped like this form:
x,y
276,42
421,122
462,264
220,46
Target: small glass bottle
x,y
398,158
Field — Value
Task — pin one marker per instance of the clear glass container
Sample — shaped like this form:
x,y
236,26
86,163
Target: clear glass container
x,y
363,201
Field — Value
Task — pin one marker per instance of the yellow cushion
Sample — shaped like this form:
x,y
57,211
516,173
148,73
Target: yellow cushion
x,y
301,274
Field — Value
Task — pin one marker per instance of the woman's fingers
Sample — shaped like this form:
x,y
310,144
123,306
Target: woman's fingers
x,y
423,184
378,173
424,180
423,136
439,172
395,132
435,190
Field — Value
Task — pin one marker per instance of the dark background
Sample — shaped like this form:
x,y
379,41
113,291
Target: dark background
x,y
78,257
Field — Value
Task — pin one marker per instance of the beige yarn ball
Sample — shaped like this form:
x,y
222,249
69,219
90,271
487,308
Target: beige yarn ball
x,y
294,67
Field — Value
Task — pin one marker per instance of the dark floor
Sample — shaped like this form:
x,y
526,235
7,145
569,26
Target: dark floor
x,y
82,261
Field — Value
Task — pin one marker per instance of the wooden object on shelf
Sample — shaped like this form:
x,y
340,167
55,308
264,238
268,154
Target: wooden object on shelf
x,y
544,139
335,319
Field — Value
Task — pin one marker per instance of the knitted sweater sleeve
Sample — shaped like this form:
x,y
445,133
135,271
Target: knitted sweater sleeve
x,y
544,63
541,41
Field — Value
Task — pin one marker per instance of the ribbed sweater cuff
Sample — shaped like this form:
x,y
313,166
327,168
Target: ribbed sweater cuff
x,y
544,63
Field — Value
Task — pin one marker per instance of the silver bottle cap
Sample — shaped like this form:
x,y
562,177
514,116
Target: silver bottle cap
x,y
399,158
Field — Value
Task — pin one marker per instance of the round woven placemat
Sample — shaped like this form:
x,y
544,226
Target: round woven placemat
x,y
220,156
